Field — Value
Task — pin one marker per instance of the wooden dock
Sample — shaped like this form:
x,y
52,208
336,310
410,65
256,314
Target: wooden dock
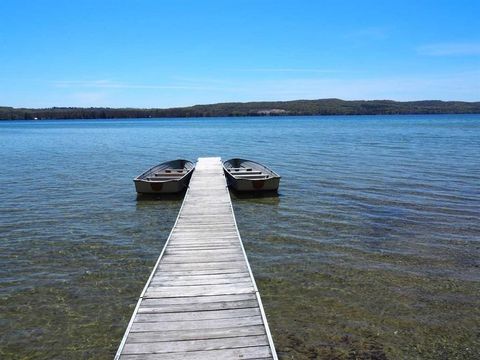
x,y
201,300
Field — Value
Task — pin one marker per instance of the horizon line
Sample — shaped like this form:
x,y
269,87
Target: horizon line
x,y
236,102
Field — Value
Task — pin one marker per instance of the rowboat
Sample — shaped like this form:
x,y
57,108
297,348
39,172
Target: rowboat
x,y
247,175
166,178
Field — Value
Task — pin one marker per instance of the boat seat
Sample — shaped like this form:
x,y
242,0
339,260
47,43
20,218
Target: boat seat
x,y
253,177
163,178
168,174
171,171
247,172
240,169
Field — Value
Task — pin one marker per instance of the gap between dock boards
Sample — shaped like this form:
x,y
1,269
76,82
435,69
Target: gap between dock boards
x,y
201,300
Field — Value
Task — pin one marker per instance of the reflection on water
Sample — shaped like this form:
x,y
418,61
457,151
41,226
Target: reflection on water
x,y
262,197
144,199
370,251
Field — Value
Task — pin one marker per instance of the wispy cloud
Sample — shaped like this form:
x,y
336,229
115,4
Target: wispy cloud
x,y
442,86
108,84
459,86
90,98
289,70
450,49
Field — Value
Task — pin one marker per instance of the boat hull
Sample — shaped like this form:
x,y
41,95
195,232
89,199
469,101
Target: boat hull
x,y
249,176
253,185
161,187
167,178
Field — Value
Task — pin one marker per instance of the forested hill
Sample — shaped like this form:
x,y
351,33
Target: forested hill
x,y
297,107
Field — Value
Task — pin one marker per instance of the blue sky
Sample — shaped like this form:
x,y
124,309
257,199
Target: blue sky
x,y
163,53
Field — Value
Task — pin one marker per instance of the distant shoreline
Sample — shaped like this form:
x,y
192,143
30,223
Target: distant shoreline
x,y
265,108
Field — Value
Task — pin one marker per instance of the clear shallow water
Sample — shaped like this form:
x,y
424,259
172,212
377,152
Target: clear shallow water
x,y
370,251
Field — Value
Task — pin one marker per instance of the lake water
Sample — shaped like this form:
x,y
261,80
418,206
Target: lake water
x,y
371,251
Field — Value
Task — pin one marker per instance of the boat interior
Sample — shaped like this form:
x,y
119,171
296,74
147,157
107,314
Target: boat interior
x,y
172,170
168,174
248,173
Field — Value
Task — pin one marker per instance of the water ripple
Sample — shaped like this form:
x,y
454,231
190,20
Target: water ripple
x,y
372,246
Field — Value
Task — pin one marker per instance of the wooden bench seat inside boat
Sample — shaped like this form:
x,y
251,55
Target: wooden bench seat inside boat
x,y
245,172
163,178
240,169
169,174
174,170
252,177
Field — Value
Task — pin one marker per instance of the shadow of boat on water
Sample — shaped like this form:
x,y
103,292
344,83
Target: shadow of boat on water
x,y
161,197
264,197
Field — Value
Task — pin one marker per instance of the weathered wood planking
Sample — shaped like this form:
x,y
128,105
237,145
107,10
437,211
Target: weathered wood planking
x,y
201,300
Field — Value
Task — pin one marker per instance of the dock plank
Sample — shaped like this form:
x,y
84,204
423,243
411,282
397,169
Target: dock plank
x,y
198,325
198,299
151,316
196,281
247,353
176,291
195,345
201,300
198,307
176,335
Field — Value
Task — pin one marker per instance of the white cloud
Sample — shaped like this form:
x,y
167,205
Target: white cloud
x,y
460,86
453,86
108,84
289,70
450,49
90,98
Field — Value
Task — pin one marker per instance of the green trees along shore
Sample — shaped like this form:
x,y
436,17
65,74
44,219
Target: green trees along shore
x,y
276,108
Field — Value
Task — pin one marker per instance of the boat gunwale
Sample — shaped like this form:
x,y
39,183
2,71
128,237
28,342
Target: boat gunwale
x,y
275,175
138,178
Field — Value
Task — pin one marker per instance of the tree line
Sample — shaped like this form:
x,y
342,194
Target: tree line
x,y
275,108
